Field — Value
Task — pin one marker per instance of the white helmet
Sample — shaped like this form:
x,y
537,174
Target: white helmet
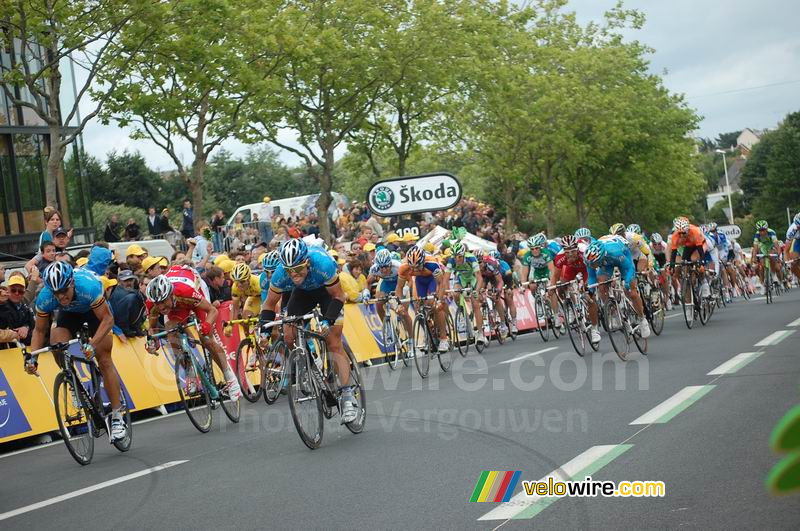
x,y
159,289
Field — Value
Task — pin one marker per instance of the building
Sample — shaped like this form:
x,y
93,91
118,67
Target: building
x,y
747,139
721,192
24,142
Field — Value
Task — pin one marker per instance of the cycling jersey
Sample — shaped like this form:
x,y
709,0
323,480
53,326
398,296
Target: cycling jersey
x,y
569,269
252,289
263,283
466,272
537,265
505,269
637,245
618,255
187,294
766,243
424,279
321,272
793,235
88,295
693,238
388,280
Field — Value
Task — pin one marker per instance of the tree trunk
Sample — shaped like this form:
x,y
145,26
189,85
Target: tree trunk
x,y
550,197
324,201
511,211
580,208
196,187
54,160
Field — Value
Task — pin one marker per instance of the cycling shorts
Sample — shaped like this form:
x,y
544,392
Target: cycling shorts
x,y
301,302
539,274
689,250
508,281
425,286
661,259
387,286
464,283
74,321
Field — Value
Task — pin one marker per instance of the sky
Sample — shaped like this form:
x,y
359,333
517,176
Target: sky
x,y
737,62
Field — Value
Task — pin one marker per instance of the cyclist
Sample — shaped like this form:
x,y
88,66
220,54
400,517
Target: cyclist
x,y
78,297
602,257
269,263
793,245
720,247
766,242
310,273
537,263
386,269
508,282
245,293
693,241
427,274
636,243
492,276
464,266
569,263
584,237
176,296
658,248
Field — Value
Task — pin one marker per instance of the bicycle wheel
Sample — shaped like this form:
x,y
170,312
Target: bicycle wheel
x,y
576,335
509,321
357,426
389,340
705,305
124,445
633,317
768,282
473,337
542,322
194,396
617,329
498,324
402,340
446,357
743,286
658,311
462,331
423,344
74,420
246,353
305,400
231,408
687,299
274,372
558,321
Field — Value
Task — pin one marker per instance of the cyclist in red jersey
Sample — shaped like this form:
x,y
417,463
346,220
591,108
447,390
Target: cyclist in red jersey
x,y
569,263
177,295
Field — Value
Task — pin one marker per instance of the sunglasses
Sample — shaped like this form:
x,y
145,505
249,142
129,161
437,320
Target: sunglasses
x,y
17,290
297,269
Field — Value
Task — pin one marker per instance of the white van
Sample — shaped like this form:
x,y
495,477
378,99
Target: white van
x,y
153,248
305,204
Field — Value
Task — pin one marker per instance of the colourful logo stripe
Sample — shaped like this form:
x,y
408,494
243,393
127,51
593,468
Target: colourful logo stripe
x,y
512,485
487,486
498,482
479,486
503,486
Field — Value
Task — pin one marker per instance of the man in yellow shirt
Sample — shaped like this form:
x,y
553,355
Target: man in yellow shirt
x,y
245,293
354,283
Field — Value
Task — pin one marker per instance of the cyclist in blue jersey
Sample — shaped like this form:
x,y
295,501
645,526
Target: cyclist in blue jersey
x,y
602,257
719,248
386,268
78,297
792,249
311,275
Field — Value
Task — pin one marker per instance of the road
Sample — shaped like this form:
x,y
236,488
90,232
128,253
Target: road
x,y
668,417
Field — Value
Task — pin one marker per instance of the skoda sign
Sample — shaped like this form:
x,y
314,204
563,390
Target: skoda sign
x,y
731,231
420,193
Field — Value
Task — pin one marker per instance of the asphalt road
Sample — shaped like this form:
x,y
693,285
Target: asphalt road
x,y
661,418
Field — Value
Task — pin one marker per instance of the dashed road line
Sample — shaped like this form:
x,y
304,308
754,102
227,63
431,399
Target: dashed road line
x,y
735,363
512,360
670,407
774,338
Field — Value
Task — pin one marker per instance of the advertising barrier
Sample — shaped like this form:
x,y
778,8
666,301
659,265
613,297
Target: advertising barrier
x,y
26,402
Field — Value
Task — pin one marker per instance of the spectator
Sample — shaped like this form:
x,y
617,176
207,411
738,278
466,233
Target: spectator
x,y
127,304
15,314
218,227
134,256
199,249
111,234
132,230
152,266
153,222
61,238
127,279
164,225
52,218
99,259
373,223
45,257
353,281
265,221
218,287
312,227
187,225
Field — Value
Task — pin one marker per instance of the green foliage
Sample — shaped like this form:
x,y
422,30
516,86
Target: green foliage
x,y
102,212
717,214
126,181
727,140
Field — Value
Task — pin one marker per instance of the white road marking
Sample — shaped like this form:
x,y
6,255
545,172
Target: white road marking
x,y
87,490
673,405
735,363
774,338
796,322
512,360
521,501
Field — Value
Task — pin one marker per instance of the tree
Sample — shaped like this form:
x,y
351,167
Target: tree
x,y
46,36
189,83
727,140
336,68
126,181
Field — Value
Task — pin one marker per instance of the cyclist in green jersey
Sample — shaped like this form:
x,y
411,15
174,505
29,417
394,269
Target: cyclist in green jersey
x,y
537,265
465,267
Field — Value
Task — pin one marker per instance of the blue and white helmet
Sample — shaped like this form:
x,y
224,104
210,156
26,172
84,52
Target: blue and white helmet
x,y
495,254
57,276
293,252
383,258
583,232
271,261
797,219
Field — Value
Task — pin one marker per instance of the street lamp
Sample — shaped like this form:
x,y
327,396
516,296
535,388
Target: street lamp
x,y
727,186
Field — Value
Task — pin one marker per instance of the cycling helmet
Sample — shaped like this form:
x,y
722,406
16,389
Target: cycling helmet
x,y
383,258
271,261
711,227
634,228
656,238
293,252
241,272
537,240
569,242
583,232
396,256
762,224
57,276
617,228
478,253
159,289
682,225
458,249
797,219
495,254
595,252
415,256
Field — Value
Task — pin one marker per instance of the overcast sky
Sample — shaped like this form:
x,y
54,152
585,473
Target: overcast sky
x,y
737,62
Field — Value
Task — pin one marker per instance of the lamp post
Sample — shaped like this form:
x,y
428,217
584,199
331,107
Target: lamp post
x,y
727,186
